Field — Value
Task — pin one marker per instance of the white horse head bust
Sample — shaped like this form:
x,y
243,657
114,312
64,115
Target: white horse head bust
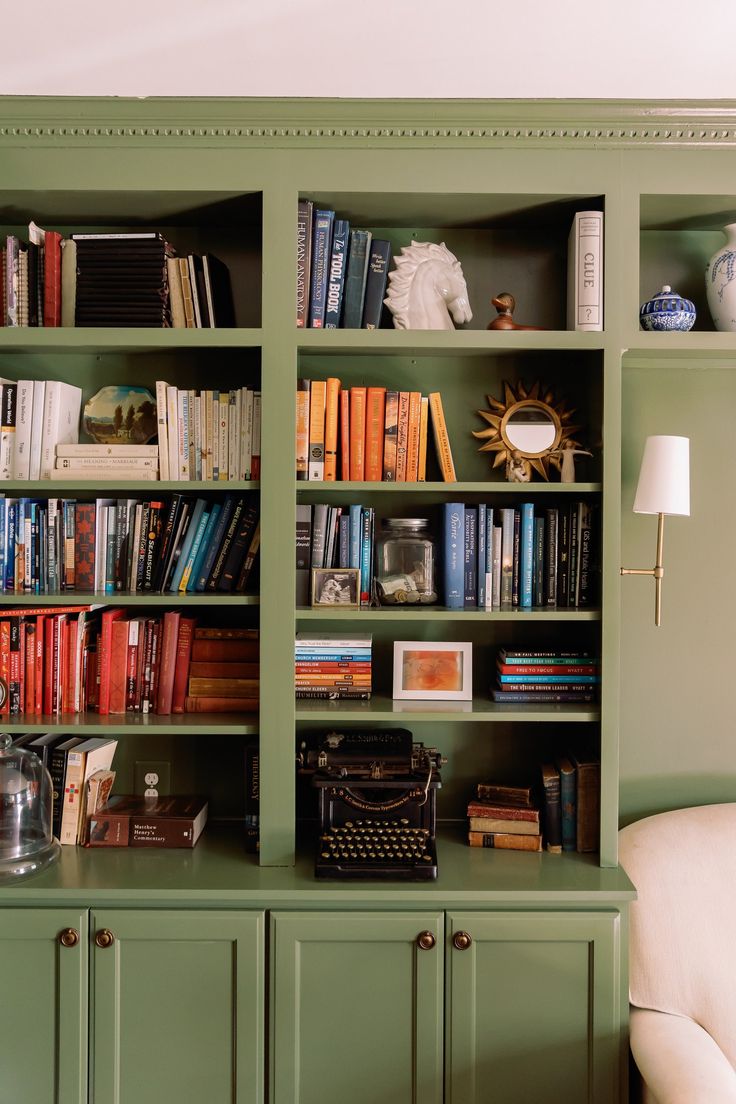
x,y
427,289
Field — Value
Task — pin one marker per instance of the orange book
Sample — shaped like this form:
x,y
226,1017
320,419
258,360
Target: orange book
x,y
412,447
345,434
331,419
423,425
441,438
4,668
374,425
402,437
317,401
302,428
357,433
391,429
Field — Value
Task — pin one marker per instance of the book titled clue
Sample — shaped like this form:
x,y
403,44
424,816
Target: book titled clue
x,y
128,820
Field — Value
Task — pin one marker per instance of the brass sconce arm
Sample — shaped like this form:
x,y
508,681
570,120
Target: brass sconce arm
x,y
657,571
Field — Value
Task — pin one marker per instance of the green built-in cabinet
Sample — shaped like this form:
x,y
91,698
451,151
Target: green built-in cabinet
x,y
538,998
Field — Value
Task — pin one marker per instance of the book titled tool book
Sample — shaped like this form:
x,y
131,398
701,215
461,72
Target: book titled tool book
x,y
131,821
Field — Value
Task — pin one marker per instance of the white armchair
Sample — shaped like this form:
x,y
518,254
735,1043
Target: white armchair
x,y
682,975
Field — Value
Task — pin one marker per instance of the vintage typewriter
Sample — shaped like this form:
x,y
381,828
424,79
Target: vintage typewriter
x,y
377,804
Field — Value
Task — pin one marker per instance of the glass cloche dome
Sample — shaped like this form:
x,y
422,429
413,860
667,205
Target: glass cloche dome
x,y
26,842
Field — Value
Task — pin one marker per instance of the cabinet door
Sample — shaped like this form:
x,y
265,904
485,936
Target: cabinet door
x,y
534,1008
178,1007
43,1010
356,1008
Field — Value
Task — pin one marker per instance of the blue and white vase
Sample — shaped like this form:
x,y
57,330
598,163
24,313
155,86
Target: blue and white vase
x,y
667,311
720,282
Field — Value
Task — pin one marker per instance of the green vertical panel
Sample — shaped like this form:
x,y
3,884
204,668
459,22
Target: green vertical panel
x,y
178,1008
533,1009
43,1011
278,518
356,1009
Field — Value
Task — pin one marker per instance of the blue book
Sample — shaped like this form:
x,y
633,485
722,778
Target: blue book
x,y
344,541
321,245
186,547
213,548
538,584
481,562
336,278
470,557
355,278
366,556
194,551
588,679
3,513
379,262
203,546
526,570
568,802
453,554
355,534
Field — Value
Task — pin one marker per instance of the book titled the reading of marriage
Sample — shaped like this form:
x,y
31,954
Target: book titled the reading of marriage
x,y
132,821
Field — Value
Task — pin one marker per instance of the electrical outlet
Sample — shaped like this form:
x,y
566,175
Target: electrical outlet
x,y
153,778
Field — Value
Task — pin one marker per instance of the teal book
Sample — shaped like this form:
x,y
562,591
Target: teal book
x,y
204,545
568,803
527,555
454,554
355,278
186,548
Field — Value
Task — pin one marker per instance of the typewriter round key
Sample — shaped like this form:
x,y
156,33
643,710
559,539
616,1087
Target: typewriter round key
x,y
427,858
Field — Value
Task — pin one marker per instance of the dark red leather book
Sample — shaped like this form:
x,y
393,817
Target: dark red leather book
x,y
52,279
84,546
183,656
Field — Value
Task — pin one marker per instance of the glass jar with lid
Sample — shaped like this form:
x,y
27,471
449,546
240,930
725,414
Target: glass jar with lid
x,y
405,563
26,842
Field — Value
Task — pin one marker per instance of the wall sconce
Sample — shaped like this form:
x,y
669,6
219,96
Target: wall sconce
x,y
664,488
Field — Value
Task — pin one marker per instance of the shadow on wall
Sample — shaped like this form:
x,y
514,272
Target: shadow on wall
x,y
658,793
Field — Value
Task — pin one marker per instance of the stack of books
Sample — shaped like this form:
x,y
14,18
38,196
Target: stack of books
x,y
341,274
212,435
546,676
36,417
108,546
504,817
520,557
200,295
121,279
80,462
223,671
333,666
334,536
378,435
571,795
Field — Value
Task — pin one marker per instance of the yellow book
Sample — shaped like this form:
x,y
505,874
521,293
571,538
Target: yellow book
x,y
423,420
302,428
331,422
441,438
317,399
412,447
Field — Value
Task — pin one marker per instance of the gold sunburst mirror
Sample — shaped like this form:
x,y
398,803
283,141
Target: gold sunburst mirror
x,y
528,430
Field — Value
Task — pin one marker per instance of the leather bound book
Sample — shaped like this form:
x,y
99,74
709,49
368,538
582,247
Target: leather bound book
x,y
164,698
183,655
119,667
84,546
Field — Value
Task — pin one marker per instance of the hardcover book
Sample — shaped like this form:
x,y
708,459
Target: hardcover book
x,y
355,278
132,821
379,262
336,279
321,248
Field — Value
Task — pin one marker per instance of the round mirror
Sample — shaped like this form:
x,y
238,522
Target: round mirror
x,y
531,427
526,430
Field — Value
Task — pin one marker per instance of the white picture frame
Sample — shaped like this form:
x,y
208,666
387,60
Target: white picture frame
x,y
433,670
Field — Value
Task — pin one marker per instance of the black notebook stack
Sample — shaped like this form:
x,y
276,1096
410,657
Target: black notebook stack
x,y
121,280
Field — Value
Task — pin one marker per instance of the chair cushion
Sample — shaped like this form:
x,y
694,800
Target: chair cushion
x,y
683,923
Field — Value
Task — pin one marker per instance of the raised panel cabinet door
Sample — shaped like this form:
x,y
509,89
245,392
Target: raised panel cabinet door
x,y
533,1008
43,1009
356,1008
178,1007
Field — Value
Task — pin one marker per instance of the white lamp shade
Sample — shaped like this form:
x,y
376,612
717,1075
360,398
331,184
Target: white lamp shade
x,y
664,478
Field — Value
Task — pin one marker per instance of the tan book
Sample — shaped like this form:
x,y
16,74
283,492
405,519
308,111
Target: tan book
x,y
503,841
498,824
303,388
176,297
186,292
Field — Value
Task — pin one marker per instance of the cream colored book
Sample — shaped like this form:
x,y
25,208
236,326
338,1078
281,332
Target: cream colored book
x,y
176,298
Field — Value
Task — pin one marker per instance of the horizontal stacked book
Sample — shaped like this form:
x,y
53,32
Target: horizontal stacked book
x,y
504,817
334,536
546,676
333,667
107,546
341,273
211,435
368,434
79,462
571,801
129,820
224,671
115,279
520,557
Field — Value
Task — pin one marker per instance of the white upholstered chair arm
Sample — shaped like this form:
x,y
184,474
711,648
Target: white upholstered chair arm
x,y
679,1062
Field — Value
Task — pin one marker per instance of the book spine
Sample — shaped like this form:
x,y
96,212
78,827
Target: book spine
x,y
423,427
52,279
39,394
336,279
501,811
470,557
585,272
390,436
412,445
552,808
355,278
183,656
305,209
402,436
358,397
366,556
379,261
303,549
441,438
588,805
252,796
345,433
317,405
453,558
480,566
23,419
163,432
374,433
8,401
515,584
321,247
526,570
567,805
302,428
507,556
332,392
505,841
255,468
168,662
220,705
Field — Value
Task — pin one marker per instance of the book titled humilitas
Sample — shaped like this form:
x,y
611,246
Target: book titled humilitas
x,y
128,820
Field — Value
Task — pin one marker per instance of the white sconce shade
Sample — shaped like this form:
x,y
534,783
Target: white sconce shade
x,y
664,478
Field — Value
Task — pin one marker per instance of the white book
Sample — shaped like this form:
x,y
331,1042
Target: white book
x,y
256,445
585,272
223,432
215,435
68,475
195,292
101,505
197,436
172,417
246,436
233,439
39,396
176,297
27,556
107,463
183,434
71,451
23,426
82,761
191,419
62,408
135,544
163,435
8,402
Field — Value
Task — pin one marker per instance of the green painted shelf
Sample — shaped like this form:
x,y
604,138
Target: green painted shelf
x,y
131,488
681,346
72,599
439,613
92,724
448,489
383,708
131,340
441,342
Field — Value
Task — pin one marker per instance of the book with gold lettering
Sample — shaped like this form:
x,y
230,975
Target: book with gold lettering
x,y
441,438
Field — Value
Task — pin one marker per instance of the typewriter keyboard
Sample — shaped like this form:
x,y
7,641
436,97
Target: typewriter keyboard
x,y
375,848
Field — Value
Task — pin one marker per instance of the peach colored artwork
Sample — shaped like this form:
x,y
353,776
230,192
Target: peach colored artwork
x,y
428,670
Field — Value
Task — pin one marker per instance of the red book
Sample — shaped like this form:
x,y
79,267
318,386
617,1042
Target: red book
x,y
40,628
502,812
118,666
541,669
15,690
84,546
345,434
109,617
168,662
52,279
69,672
49,633
183,657
357,433
30,665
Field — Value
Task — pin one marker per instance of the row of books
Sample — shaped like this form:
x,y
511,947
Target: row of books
x,y
546,676
341,274
333,667
106,546
36,416
525,556
212,435
334,536
116,279
84,658
378,435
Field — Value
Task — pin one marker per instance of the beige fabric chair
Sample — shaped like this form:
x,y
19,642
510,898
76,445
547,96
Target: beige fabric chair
x,y
682,976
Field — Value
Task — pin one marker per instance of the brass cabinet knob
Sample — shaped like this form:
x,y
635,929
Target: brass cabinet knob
x,y
104,938
426,940
461,940
69,937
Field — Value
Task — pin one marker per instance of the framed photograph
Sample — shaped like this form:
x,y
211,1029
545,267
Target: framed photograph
x,y
332,586
441,671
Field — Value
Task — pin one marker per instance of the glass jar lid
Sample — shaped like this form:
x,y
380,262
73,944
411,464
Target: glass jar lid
x,y
407,524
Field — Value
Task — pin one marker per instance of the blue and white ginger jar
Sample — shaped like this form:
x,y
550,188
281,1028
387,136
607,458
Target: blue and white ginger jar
x,y
667,311
720,282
